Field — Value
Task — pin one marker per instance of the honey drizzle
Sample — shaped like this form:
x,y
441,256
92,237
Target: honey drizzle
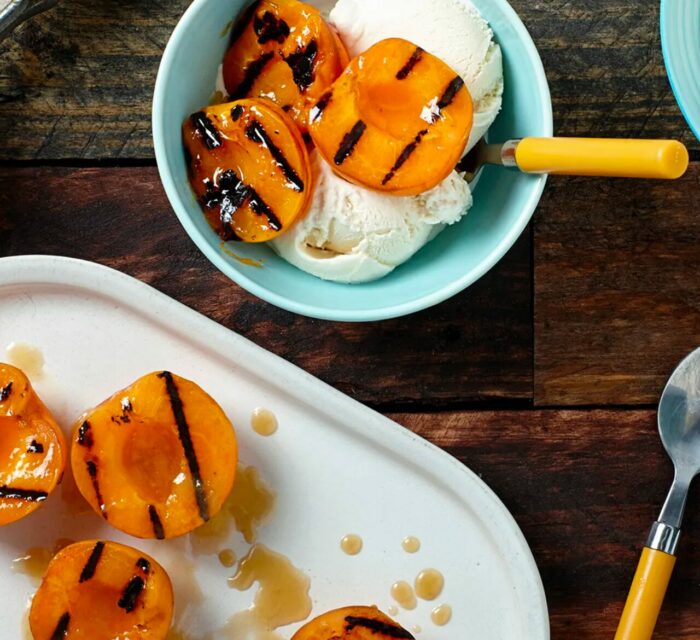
x,y
410,544
26,357
402,592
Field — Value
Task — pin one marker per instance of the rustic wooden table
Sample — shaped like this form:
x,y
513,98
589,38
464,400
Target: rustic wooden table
x,y
543,377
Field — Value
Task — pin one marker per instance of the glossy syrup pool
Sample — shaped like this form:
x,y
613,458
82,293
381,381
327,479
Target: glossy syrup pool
x,y
26,357
282,596
227,558
351,544
264,422
35,560
249,506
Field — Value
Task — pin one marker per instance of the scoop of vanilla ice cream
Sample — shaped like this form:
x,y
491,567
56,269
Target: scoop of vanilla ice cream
x,y
452,30
351,234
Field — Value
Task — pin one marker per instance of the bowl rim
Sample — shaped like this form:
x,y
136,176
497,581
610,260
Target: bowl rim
x,y
672,64
368,314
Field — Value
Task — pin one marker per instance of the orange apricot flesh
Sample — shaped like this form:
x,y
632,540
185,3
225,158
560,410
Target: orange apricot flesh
x,y
397,119
96,590
352,623
249,169
157,459
284,52
32,447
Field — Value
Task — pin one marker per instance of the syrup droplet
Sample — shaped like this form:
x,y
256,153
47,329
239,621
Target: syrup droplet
x,y
416,628
429,584
26,357
392,610
282,596
264,422
227,558
410,544
441,615
402,592
351,544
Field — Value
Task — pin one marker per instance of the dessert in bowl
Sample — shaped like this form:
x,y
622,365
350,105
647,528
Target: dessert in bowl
x,y
455,254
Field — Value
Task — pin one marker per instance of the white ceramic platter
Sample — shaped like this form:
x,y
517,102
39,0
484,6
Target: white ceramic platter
x,y
336,466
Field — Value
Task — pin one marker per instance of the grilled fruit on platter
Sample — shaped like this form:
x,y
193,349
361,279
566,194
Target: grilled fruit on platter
x,y
352,623
97,590
157,459
397,119
32,447
249,169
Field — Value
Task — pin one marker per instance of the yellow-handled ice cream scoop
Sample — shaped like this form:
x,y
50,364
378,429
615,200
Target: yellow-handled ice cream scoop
x,y
610,157
679,427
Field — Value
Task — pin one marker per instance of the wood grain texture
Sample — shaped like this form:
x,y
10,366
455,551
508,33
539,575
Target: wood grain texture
x,y
77,81
616,288
584,486
476,347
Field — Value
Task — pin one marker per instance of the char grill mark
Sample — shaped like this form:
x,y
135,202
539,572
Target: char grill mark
x,y
91,565
30,495
268,28
131,593
347,144
143,564
61,630
302,63
404,155
320,106
183,431
377,626
256,132
251,74
236,112
158,530
259,206
85,435
449,95
92,472
35,447
231,194
206,129
5,391
415,58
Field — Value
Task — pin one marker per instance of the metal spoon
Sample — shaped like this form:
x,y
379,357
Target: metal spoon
x,y
13,12
679,427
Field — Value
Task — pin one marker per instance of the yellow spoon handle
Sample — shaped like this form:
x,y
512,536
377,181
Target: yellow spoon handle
x,y
603,157
646,595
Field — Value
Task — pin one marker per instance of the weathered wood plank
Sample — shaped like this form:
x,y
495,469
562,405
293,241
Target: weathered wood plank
x,y
477,346
77,82
616,287
584,486
605,68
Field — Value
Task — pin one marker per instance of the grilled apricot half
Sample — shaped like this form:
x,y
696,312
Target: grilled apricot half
x,y
157,459
97,590
32,447
352,623
249,168
287,53
397,120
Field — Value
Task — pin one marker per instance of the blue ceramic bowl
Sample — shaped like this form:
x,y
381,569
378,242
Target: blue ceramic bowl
x,y
680,42
504,200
